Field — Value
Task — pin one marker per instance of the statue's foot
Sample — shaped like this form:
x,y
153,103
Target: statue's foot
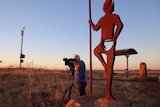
x,y
109,97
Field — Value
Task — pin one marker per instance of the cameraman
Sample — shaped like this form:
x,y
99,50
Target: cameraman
x,y
80,74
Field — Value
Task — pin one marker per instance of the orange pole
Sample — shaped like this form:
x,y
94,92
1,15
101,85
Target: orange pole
x,y
90,44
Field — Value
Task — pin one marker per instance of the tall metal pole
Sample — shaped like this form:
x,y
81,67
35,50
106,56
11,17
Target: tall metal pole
x,y
90,44
21,52
127,71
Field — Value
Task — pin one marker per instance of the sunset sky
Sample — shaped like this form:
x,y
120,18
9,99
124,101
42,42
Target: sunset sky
x,y
55,29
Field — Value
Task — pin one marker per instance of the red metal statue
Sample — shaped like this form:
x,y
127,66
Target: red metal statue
x,y
111,26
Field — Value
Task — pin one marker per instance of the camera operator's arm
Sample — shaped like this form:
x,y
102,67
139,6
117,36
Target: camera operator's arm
x,y
77,66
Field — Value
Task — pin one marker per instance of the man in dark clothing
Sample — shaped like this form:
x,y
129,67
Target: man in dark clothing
x,y
80,74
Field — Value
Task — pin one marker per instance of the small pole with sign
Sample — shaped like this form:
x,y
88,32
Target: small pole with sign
x,y
21,52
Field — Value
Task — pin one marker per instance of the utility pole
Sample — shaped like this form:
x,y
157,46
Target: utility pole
x,y
21,52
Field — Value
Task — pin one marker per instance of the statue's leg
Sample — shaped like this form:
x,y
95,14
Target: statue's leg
x,y
109,73
98,53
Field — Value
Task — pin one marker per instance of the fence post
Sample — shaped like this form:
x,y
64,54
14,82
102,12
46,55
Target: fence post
x,y
143,71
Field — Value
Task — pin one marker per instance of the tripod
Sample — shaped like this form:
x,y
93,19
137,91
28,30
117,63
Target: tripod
x,y
69,89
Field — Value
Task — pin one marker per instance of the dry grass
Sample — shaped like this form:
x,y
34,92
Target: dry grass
x,y
46,88
34,88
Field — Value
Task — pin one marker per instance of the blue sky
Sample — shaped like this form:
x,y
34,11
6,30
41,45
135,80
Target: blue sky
x,y
59,28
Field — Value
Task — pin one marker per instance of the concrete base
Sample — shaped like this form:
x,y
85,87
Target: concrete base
x,y
99,101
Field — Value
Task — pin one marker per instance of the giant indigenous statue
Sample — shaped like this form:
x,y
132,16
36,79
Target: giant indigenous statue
x,y
111,26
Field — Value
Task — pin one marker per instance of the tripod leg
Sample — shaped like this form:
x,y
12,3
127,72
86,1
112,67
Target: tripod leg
x,y
69,94
70,84
63,98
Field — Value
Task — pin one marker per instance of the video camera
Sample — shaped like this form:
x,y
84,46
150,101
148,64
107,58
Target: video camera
x,y
69,62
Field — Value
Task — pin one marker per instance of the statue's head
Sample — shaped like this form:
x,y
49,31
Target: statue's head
x,y
108,6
